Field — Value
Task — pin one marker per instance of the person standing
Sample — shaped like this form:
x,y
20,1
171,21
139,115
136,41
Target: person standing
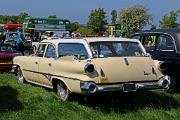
x,y
20,40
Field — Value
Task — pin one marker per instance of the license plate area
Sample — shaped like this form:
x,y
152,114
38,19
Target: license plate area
x,y
127,87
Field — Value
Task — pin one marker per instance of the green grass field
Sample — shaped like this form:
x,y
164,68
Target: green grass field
x,y
30,102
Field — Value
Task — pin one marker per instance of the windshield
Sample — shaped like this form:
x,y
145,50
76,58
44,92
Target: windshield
x,y
7,48
72,49
115,49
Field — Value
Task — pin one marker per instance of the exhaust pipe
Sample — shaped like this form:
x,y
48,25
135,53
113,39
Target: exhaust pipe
x,y
92,88
89,87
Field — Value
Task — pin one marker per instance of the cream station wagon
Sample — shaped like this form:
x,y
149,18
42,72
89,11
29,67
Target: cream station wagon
x,y
91,65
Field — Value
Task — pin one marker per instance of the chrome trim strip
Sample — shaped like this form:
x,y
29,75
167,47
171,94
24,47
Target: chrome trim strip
x,y
48,74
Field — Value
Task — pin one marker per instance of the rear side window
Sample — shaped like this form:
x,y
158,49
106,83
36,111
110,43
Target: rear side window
x,y
149,42
51,51
165,43
41,50
72,49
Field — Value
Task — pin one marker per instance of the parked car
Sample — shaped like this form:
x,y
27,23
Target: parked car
x,y
164,45
91,65
11,38
7,53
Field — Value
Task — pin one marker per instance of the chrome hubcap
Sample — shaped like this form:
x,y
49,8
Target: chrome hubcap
x,y
62,92
21,79
20,76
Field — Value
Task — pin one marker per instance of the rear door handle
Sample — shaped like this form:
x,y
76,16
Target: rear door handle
x,y
49,64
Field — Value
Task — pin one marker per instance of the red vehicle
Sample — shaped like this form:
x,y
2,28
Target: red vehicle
x,y
12,27
7,53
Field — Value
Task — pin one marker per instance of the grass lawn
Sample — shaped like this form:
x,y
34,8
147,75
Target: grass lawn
x,y
30,102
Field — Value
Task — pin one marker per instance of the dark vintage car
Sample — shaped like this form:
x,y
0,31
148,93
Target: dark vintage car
x,y
7,53
164,45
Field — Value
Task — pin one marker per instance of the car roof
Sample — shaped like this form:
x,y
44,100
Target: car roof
x,y
85,40
98,39
174,32
166,30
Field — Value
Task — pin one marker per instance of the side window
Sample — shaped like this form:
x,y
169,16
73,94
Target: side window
x,y
51,51
105,50
102,49
41,50
68,49
149,42
165,43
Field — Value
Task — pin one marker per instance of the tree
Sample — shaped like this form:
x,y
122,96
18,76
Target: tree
x,y
13,19
52,16
113,16
97,20
8,19
170,21
84,30
21,17
74,26
134,18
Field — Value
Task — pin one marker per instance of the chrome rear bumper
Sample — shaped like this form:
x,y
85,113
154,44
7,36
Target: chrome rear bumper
x,y
14,69
91,87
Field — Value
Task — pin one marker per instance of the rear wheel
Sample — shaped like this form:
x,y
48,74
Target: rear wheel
x,y
20,76
63,91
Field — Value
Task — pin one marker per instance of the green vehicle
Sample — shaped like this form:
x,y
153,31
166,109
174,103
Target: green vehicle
x,y
36,27
116,30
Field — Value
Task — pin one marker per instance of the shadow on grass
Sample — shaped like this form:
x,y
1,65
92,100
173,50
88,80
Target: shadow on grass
x,y
128,102
8,99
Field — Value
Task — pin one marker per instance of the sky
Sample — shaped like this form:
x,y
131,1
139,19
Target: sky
x,y
79,10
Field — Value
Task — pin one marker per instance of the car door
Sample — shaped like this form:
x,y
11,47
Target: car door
x,y
34,63
46,64
30,68
165,48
